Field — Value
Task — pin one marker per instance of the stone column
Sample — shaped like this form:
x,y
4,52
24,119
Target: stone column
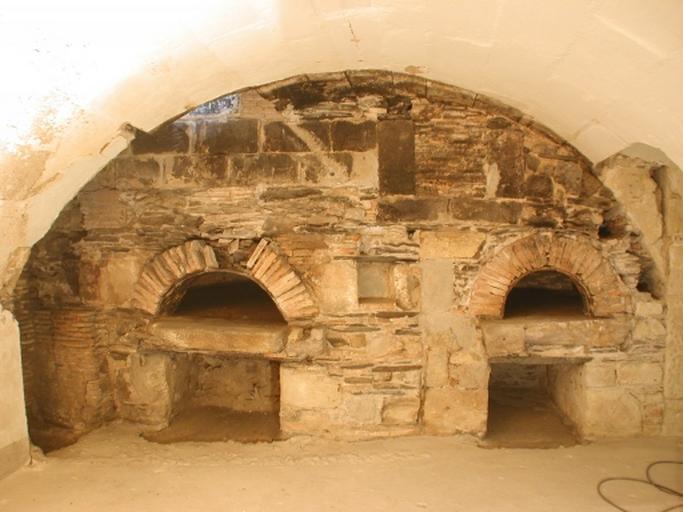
x,y
670,179
456,373
14,444
673,368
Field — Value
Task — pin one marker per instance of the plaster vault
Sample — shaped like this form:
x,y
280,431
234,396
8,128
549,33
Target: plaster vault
x,y
562,83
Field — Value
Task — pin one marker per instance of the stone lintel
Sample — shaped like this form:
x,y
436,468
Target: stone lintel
x,y
194,334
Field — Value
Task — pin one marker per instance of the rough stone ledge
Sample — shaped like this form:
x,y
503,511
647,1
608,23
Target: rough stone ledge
x,y
521,336
190,334
539,360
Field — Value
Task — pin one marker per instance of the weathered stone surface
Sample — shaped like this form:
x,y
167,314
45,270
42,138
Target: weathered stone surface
x,y
403,411
212,335
348,136
436,369
673,418
600,375
263,168
502,339
450,244
592,333
320,131
280,137
234,136
539,186
437,285
336,285
143,390
648,329
611,412
118,277
239,384
327,168
305,343
198,170
482,210
104,209
14,439
375,280
506,150
396,154
407,289
448,410
170,138
631,181
308,388
468,371
360,410
645,374
649,308
134,173
409,210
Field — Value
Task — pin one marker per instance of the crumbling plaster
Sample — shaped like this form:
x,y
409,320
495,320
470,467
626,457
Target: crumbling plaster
x,y
601,74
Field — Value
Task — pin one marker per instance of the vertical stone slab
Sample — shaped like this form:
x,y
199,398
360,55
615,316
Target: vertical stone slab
x,y
13,433
144,388
336,286
673,369
396,153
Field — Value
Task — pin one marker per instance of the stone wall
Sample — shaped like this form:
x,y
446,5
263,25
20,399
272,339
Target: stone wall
x,y
248,385
387,197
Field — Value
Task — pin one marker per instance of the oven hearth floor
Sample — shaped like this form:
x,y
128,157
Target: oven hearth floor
x,y
524,418
214,424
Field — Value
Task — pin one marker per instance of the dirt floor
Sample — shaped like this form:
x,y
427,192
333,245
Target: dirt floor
x,y
114,469
211,424
524,418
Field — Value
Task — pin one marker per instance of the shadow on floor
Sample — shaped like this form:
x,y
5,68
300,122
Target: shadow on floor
x,y
212,424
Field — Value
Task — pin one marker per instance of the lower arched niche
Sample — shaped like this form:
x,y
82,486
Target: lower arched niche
x,y
544,303
218,333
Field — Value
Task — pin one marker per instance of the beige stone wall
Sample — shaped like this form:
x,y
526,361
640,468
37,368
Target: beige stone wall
x,y
386,195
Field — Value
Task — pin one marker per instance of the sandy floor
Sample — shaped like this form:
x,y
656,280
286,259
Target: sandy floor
x,y
114,469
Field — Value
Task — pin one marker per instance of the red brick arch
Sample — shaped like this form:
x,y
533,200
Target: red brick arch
x,y
265,266
603,290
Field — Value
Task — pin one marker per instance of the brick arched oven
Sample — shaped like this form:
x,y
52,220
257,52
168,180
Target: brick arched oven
x,y
573,256
265,266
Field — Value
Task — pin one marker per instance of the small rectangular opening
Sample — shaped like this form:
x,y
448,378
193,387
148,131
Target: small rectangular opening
x,y
221,399
375,282
522,413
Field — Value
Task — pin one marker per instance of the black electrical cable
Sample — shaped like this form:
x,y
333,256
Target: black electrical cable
x,y
648,480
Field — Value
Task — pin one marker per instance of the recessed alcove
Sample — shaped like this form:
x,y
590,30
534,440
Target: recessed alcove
x,y
222,327
220,398
545,293
375,282
522,413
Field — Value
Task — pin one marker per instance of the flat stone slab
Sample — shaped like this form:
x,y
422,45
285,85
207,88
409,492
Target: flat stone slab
x,y
215,335
553,337
540,359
